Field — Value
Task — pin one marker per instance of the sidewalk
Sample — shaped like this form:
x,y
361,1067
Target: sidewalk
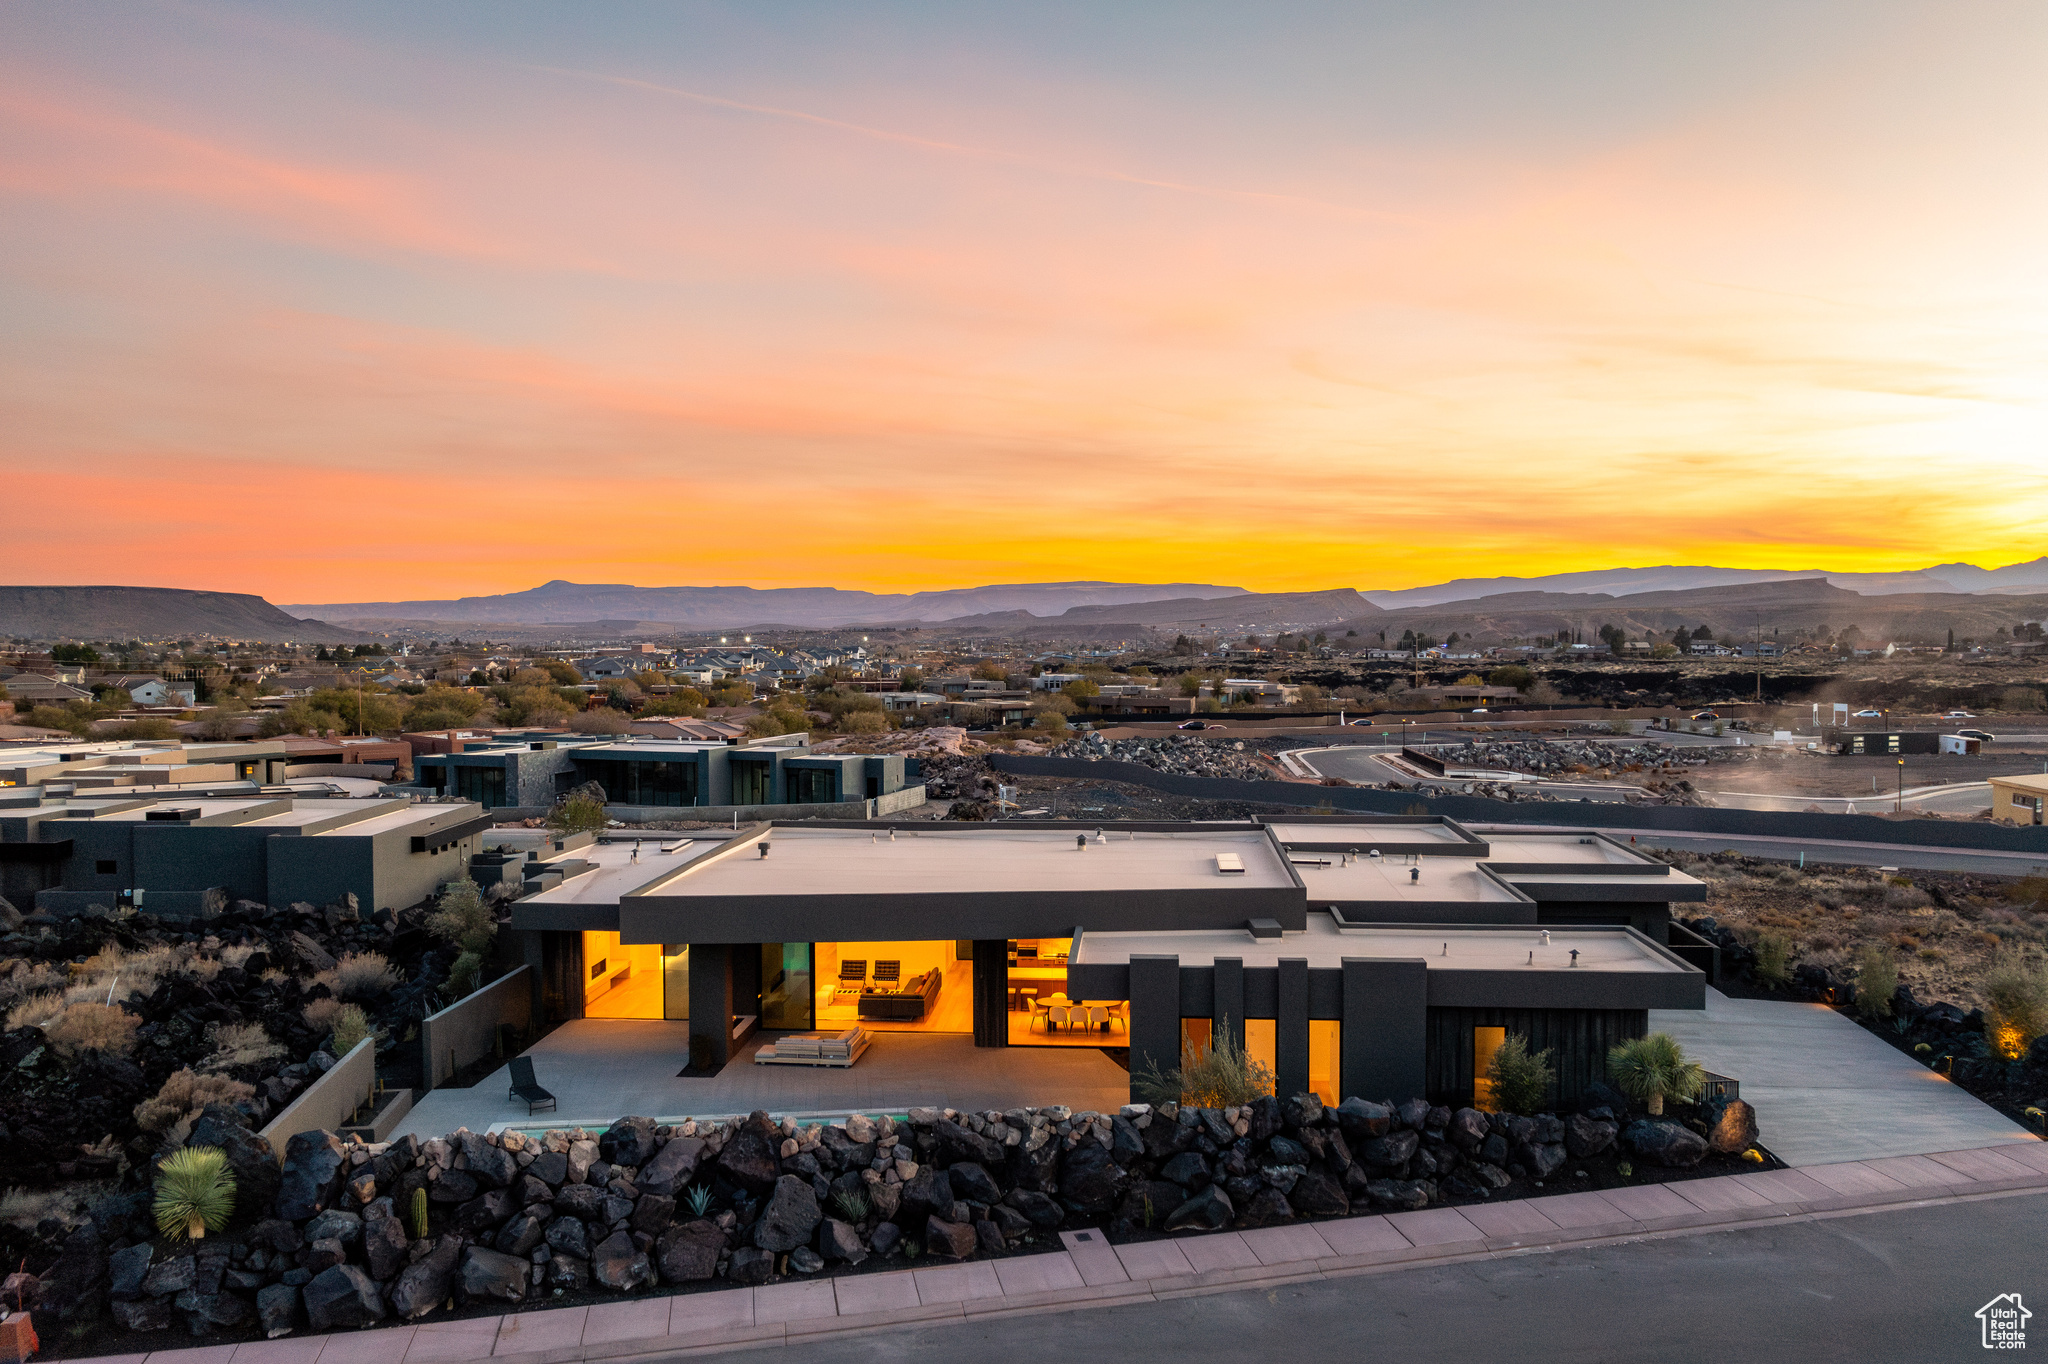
x,y
1092,1273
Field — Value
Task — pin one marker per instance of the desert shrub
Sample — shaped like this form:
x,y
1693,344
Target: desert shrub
x,y
37,1010
185,1095
1219,1075
26,980
1521,1081
351,1026
462,917
319,1013
195,1193
605,721
2016,994
360,975
240,1044
238,955
1904,897
1876,979
464,973
1654,1068
93,1027
579,814
1773,953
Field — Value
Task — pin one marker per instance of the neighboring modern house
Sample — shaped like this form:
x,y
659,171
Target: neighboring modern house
x,y
157,692
1385,957
2019,800
191,856
606,669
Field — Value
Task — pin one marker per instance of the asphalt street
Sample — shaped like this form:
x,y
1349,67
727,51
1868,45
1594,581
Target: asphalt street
x,y
1899,1285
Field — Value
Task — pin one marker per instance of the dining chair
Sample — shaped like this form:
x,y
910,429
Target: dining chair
x,y
1098,1016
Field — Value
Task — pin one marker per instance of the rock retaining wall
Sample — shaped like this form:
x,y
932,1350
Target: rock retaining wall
x,y
336,1240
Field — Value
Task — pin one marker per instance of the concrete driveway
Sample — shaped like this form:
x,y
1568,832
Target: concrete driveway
x,y
600,1069
1824,1089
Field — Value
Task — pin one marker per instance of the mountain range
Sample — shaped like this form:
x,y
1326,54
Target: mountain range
x,y
1622,582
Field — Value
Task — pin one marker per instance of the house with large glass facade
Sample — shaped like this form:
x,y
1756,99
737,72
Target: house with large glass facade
x,y
1352,955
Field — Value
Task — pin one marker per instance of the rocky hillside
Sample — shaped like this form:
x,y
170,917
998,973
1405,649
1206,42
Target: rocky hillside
x,y
54,613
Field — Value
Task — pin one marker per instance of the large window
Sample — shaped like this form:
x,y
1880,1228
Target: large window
x,y
643,783
785,985
810,785
621,980
484,785
753,782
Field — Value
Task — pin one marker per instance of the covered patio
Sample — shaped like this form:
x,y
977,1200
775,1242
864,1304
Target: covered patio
x,y
603,1068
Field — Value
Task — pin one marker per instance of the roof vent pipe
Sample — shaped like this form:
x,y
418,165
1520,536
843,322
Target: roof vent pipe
x,y
1080,841
763,846
1414,875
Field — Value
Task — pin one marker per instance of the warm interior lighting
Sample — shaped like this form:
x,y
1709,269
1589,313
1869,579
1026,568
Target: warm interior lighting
x,y
1485,1042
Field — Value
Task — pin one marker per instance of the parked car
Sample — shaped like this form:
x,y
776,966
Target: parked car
x,y
1981,736
1959,715
1481,710
1705,715
1201,724
1870,715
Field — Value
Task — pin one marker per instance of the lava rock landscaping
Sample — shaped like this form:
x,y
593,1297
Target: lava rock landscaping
x,y
352,1235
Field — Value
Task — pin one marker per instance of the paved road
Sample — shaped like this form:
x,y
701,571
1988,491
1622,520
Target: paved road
x,y
1898,855
1900,1285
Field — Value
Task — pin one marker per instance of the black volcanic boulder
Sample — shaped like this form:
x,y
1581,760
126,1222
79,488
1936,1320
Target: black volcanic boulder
x,y
1208,1210
929,1192
956,1143
1664,1142
1467,1130
425,1284
945,1240
789,1219
341,1297
493,1274
689,1253
1315,1194
1091,1180
620,1265
1390,1150
1731,1126
313,1162
629,1141
492,1167
671,1168
752,1155
1584,1136
1363,1118
973,1183
251,1157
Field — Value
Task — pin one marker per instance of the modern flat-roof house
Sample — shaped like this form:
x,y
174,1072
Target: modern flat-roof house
x,y
651,778
186,855
1381,957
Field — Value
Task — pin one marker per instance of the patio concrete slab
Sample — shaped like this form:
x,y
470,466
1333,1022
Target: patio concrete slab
x,y
1826,1090
602,1068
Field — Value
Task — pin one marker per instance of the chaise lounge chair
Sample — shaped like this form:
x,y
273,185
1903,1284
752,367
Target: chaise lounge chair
x,y
524,1086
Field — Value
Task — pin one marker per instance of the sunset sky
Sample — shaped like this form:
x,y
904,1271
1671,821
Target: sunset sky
x,y
354,302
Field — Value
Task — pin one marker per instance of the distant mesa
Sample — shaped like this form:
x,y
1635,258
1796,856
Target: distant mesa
x,y
2021,579
156,613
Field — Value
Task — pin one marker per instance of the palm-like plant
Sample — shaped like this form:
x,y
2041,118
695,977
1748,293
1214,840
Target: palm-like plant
x,y
195,1193
1653,1068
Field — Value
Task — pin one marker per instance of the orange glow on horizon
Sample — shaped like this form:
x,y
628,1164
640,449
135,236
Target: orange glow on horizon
x,y
331,314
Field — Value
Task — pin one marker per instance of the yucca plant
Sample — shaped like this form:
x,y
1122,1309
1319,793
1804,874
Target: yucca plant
x,y
699,1199
195,1192
1654,1068
851,1205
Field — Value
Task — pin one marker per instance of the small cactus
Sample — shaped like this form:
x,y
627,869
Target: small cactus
x,y
419,1214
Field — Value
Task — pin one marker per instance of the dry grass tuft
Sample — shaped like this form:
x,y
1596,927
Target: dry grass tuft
x,y
93,1027
240,1044
185,1095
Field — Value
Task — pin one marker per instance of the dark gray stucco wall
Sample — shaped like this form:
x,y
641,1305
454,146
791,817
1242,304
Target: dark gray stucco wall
x,y
1384,1043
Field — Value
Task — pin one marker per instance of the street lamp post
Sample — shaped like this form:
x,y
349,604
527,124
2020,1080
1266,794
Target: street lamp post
x,y
1902,786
